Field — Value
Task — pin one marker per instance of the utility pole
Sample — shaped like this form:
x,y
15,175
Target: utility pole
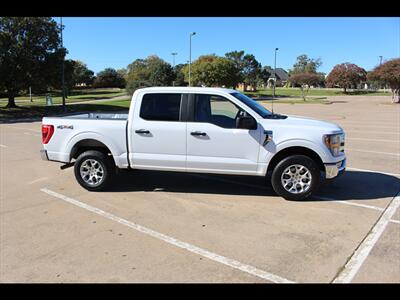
x,y
173,65
276,49
380,61
62,69
190,55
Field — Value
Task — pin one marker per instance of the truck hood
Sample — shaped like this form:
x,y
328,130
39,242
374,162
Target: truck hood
x,y
299,123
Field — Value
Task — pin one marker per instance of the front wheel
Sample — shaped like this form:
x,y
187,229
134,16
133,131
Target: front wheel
x,y
296,177
94,170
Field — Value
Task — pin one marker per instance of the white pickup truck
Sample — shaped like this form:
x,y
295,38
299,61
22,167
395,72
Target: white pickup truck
x,y
202,130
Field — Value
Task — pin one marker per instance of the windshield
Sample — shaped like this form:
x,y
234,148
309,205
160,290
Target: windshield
x,y
254,105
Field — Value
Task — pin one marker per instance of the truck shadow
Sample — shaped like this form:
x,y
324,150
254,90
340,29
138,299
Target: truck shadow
x,y
353,185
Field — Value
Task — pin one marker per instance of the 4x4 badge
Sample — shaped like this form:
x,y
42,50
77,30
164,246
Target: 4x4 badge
x,y
65,127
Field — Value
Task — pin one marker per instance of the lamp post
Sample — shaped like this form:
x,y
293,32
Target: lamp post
x,y
190,55
62,68
173,65
276,49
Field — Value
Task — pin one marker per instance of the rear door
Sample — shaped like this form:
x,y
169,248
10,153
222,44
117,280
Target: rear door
x,y
158,135
214,144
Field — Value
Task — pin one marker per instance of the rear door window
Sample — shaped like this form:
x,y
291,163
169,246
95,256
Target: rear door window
x,y
161,107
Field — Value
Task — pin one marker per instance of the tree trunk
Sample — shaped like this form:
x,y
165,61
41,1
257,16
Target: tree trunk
x,y
302,92
395,96
11,101
345,90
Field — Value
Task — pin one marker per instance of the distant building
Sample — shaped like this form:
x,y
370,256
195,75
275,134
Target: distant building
x,y
281,77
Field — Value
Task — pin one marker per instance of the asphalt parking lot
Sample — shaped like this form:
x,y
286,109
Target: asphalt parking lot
x,y
174,227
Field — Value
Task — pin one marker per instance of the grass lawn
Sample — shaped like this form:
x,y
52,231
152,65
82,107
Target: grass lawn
x,y
296,92
74,96
39,111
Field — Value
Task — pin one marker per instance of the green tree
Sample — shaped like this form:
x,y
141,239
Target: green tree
x,y
251,71
213,71
109,78
81,73
152,71
304,74
248,68
29,52
238,59
179,75
304,64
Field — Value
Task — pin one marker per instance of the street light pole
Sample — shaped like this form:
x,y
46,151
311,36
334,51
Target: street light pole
x,y
173,65
62,68
276,49
380,61
190,55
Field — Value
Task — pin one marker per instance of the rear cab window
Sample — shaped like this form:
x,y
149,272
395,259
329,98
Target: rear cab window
x,y
161,107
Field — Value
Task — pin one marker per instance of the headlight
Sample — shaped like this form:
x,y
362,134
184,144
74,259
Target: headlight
x,y
335,143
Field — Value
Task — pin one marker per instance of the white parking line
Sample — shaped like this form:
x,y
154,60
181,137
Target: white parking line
x,y
349,203
377,152
395,221
191,248
23,128
373,171
373,132
3,146
369,140
38,180
360,255
32,134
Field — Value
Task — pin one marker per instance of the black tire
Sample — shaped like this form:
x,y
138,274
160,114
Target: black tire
x,y
301,160
107,166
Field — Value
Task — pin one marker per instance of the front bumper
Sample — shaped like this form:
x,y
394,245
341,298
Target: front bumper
x,y
43,154
332,170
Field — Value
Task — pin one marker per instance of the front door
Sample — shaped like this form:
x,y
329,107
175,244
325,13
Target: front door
x,y
214,144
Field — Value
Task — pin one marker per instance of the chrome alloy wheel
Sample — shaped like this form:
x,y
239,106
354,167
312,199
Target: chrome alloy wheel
x,y
92,172
296,179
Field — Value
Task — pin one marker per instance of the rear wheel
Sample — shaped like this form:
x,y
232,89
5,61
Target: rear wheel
x,y
296,177
94,170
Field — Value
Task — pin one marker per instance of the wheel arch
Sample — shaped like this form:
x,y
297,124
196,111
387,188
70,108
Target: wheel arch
x,y
295,150
89,144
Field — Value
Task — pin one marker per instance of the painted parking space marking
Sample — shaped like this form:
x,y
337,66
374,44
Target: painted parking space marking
x,y
170,240
23,128
31,134
38,180
395,221
377,152
3,146
349,203
355,262
373,132
369,140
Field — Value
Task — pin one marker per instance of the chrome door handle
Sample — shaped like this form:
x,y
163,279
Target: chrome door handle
x,y
198,133
142,131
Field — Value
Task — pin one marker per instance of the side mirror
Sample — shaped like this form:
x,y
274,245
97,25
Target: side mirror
x,y
246,122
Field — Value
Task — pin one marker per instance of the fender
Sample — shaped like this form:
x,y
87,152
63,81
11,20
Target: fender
x,y
323,153
93,136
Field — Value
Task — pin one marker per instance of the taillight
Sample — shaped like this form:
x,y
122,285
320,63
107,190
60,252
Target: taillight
x,y
47,132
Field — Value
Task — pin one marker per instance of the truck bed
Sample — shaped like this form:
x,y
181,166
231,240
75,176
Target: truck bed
x,y
108,128
95,115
